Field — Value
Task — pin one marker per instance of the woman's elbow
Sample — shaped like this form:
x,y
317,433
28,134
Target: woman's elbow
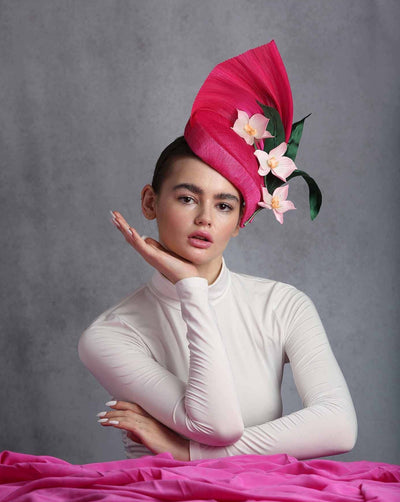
x,y
232,435
347,433
224,434
82,347
87,347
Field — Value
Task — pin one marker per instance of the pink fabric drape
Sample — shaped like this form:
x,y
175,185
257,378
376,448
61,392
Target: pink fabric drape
x,y
275,478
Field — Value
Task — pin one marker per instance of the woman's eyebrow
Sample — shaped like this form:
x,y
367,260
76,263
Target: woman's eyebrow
x,y
195,189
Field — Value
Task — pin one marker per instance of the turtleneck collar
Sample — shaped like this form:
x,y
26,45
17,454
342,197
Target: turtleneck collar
x,y
165,289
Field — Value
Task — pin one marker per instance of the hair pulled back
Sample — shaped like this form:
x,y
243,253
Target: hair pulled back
x,y
178,148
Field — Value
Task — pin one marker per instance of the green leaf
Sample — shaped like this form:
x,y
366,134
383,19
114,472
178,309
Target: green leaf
x,y
272,182
275,127
294,140
315,196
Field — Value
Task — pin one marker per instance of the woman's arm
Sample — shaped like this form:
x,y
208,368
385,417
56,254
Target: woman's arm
x,y
116,355
327,424
145,429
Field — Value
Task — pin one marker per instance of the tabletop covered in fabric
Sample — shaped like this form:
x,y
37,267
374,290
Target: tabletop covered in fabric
x,y
25,477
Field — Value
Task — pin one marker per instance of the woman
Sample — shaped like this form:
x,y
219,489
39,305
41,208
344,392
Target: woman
x,y
194,358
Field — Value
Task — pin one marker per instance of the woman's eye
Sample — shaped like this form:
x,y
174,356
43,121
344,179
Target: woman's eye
x,y
185,199
225,207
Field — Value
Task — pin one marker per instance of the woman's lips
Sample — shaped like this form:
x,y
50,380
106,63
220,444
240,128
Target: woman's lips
x,y
199,243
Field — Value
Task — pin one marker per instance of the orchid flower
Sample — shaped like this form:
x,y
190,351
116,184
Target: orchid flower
x,y
251,129
277,201
274,161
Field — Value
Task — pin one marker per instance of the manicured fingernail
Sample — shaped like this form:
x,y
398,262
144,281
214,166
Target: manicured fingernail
x,y
115,222
111,403
103,420
144,237
101,414
112,214
113,422
130,231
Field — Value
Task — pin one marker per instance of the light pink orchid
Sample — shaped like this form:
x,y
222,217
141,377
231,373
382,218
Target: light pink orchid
x,y
274,161
277,201
251,129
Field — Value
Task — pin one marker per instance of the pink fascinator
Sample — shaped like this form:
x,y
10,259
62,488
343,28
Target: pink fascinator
x,y
241,125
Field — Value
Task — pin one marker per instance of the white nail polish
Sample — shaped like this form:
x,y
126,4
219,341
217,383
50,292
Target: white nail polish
x,y
113,218
130,231
101,414
111,403
103,420
144,237
113,422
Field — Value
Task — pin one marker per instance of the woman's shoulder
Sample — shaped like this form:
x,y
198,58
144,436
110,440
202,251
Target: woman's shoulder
x,y
125,309
265,289
284,301
262,283
115,327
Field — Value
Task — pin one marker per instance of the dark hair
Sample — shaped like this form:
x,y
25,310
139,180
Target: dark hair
x,y
177,149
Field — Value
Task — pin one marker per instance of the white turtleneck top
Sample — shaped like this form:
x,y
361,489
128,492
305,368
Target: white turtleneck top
x,y
207,361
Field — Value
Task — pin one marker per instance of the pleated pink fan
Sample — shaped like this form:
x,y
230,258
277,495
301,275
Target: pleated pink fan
x,y
237,84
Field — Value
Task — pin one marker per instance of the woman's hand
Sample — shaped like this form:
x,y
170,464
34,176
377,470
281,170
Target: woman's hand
x,y
143,428
167,263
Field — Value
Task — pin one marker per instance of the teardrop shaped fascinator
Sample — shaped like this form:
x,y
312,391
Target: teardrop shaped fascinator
x,y
241,126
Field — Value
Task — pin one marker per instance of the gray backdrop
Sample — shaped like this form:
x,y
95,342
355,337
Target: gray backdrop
x,y
90,92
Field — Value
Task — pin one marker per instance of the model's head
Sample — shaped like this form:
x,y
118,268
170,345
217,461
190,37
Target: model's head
x,y
177,149
189,197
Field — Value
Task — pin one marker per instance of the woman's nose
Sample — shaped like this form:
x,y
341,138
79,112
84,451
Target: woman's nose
x,y
204,216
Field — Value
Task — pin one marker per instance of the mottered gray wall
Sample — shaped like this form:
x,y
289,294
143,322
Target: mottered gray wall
x,y
90,93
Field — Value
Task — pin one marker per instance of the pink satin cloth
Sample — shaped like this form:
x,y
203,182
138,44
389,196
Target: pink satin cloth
x,y
275,478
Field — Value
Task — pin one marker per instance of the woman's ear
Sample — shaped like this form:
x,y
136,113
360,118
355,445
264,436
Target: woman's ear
x,y
148,202
236,231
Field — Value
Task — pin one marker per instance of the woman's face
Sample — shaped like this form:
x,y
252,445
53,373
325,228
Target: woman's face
x,y
195,198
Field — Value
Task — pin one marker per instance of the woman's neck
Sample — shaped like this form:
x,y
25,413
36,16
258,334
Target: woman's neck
x,y
210,271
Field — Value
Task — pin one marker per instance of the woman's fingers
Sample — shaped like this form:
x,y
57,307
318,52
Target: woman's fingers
x,y
126,419
141,245
150,248
126,405
167,263
123,226
120,409
160,258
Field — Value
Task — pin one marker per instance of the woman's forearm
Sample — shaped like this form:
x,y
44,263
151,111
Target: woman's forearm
x,y
210,396
316,431
206,407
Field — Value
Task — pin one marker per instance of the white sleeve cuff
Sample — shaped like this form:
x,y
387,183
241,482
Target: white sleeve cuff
x,y
190,285
194,450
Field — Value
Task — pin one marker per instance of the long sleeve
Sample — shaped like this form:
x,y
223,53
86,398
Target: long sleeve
x,y
116,355
327,424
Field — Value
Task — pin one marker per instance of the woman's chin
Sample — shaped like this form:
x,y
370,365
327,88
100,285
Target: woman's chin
x,y
199,257
188,253
202,261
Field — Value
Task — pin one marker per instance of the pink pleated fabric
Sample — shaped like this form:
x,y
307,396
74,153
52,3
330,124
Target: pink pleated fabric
x,y
237,84
159,478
